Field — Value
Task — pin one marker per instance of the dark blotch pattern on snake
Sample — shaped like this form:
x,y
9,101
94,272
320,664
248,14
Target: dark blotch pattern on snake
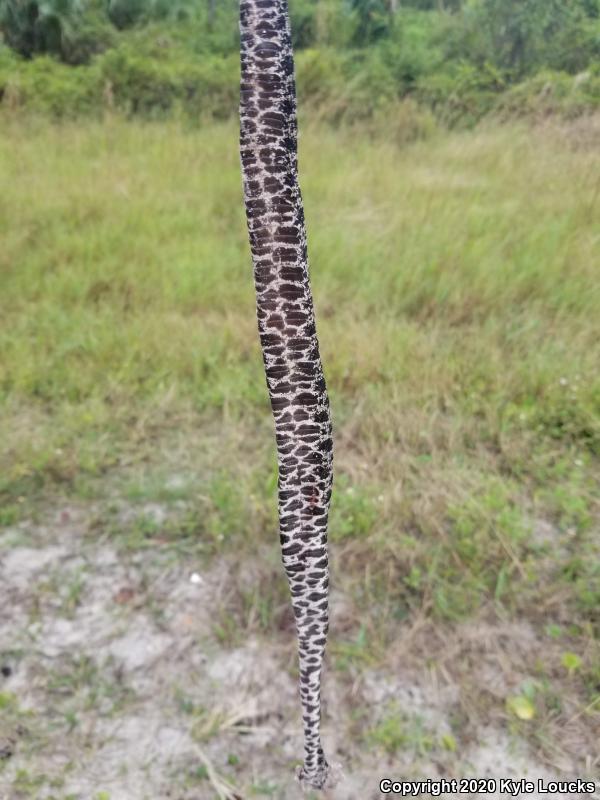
x,y
288,337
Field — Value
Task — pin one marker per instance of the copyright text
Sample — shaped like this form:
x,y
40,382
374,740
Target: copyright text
x,y
509,786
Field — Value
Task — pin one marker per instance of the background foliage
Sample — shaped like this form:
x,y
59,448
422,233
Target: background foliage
x,y
461,59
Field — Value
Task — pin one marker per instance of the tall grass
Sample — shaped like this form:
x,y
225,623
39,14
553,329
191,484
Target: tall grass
x,y
456,289
468,260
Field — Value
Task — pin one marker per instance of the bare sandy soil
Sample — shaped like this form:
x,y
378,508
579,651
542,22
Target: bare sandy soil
x,y
115,687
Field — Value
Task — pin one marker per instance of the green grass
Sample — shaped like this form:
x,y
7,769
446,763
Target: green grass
x,y
398,731
456,286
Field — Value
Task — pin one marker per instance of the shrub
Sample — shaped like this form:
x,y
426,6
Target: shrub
x,y
138,84
463,94
210,88
413,50
522,36
348,86
552,93
368,85
51,88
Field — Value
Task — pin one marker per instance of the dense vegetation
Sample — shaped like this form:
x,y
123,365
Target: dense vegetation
x,y
459,60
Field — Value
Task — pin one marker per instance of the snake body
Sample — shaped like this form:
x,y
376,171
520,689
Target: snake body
x,y
288,337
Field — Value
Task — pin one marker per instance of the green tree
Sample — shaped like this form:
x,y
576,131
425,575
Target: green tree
x,y
125,13
373,20
69,29
523,35
33,27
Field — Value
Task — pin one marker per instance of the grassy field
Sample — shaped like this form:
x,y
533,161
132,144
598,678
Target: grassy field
x,y
456,283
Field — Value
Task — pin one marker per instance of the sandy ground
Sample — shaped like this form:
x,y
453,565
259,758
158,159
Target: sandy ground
x,y
114,687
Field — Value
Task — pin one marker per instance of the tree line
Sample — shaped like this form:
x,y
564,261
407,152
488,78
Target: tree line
x,y
351,54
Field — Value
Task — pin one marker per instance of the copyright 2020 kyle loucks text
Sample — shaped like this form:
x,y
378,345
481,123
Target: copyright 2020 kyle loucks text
x,y
509,786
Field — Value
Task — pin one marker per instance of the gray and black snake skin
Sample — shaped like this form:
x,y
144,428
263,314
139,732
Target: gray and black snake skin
x,y
286,324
